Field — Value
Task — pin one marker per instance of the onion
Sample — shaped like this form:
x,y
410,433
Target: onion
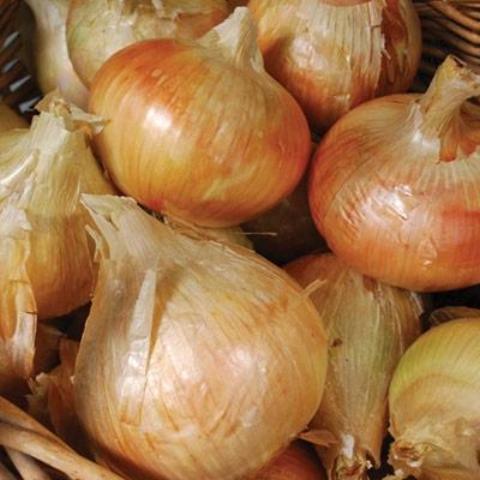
x,y
369,325
287,230
295,463
96,29
434,405
199,360
335,54
53,67
394,186
10,119
212,138
47,267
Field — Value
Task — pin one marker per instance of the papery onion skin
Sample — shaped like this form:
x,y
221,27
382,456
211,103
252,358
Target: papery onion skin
x,y
394,186
97,29
295,463
43,171
434,404
212,138
10,119
54,69
369,325
333,55
199,360
287,230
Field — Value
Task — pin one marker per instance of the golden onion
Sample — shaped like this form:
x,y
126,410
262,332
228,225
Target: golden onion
x,y
394,186
434,405
54,70
212,138
335,54
199,360
369,326
96,29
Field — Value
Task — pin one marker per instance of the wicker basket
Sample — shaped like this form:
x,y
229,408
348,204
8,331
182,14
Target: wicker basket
x,y
448,27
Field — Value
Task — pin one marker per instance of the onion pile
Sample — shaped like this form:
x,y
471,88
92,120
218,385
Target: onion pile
x,y
147,329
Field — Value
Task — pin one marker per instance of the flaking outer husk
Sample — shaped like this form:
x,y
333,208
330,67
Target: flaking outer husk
x,y
369,325
434,407
185,369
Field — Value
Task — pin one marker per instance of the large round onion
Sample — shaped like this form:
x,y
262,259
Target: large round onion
x,y
335,54
199,360
212,138
395,185
96,29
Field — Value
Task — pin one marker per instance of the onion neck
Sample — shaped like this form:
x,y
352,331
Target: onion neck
x,y
236,40
453,84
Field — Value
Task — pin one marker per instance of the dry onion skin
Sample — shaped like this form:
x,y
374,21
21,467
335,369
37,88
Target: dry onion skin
x,y
394,185
43,172
295,463
96,29
54,70
369,325
445,314
335,54
434,405
10,119
213,139
199,360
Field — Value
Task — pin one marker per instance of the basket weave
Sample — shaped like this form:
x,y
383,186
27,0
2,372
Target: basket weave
x,y
448,27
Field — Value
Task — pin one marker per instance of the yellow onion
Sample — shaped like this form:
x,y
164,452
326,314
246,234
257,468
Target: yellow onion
x,y
199,360
54,70
369,326
43,172
287,230
96,29
434,405
10,119
47,268
335,54
28,440
295,463
394,187
212,138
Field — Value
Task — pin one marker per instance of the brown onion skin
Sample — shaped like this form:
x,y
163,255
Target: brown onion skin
x,y
297,462
287,231
394,188
246,156
334,54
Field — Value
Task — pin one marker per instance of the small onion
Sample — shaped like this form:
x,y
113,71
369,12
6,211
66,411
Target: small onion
x,y
199,360
212,138
96,29
297,462
370,325
335,54
434,405
395,185
287,230
53,67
